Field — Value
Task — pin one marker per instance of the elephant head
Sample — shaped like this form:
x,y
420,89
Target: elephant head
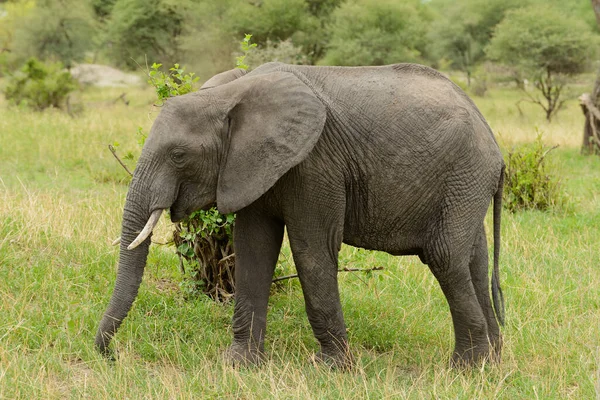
x,y
227,143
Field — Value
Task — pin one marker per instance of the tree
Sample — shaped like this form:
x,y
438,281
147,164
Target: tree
x,y
301,22
546,45
102,8
11,14
146,29
56,30
590,104
462,30
375,32
269,19
290,30
314,36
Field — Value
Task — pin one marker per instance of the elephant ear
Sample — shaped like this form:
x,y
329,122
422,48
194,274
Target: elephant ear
x,y
275,121
223,78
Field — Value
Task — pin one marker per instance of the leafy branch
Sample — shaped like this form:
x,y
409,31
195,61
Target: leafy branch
x,y
246,47
171,84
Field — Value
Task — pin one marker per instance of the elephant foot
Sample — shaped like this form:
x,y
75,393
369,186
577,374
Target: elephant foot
x,y
476,355
336,358
244,355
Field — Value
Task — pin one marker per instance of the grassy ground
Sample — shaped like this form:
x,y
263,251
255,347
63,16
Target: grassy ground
x,y
61,195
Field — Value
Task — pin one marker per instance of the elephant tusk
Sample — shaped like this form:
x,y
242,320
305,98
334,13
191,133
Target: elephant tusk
x,y
116,241
152,221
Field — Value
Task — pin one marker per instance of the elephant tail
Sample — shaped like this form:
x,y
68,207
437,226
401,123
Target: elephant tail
x,y
497,296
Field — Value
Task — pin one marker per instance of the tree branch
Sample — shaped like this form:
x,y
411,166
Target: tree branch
x,y
345,269
114,152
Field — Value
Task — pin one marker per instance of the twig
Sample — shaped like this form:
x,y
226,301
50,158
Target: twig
x,y
345,269
181,265
226,258
114,152
544,155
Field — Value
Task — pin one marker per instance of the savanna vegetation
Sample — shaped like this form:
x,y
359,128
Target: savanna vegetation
x,y
62,193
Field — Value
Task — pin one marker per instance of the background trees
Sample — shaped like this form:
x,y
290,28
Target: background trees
x,y
376,32
544,41
462,30
140,29
547,47
59,30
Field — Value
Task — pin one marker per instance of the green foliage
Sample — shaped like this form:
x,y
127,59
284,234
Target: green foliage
x,y
301,22
140,29
246,47
529,182
462,29
375,32
546,46
102,8
39,85
543,40
56,30
267,19
205,241
284,51
170,84
12,15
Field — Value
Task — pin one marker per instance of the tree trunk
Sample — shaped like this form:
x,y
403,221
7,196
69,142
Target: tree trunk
x,y
590,104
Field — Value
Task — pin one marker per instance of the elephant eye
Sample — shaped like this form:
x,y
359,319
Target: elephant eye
x,y
177,156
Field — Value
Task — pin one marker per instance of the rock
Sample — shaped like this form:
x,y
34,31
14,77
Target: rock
x,y
103,76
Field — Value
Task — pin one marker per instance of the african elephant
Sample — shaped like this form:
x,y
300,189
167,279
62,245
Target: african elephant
x,y
393,158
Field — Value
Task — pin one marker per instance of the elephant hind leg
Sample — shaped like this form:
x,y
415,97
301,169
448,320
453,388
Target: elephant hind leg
x,y
480,278
449,257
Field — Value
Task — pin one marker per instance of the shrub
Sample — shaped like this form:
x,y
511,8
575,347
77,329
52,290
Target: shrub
x,y
39,85
528,182
204,244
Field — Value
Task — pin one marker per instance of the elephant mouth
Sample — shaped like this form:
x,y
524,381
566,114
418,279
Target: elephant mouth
x,y
178,214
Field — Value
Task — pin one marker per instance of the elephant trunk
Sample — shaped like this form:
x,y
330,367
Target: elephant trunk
x,y
131,267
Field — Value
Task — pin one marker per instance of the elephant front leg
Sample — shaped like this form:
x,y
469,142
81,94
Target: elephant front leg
x,y
257,241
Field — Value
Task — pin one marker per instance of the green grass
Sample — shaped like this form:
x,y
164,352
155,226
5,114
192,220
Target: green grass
x,y
61,195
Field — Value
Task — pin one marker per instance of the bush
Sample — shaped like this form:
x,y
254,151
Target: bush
x,y
39,85
528,183
204,244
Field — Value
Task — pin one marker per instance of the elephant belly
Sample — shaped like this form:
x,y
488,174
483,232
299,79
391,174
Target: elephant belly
x,y
395,247
384,235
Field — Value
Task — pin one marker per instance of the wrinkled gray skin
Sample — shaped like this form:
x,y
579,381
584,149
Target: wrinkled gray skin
x,y
393,158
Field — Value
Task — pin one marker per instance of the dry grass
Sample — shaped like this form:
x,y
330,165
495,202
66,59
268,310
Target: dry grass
x,y
60,199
